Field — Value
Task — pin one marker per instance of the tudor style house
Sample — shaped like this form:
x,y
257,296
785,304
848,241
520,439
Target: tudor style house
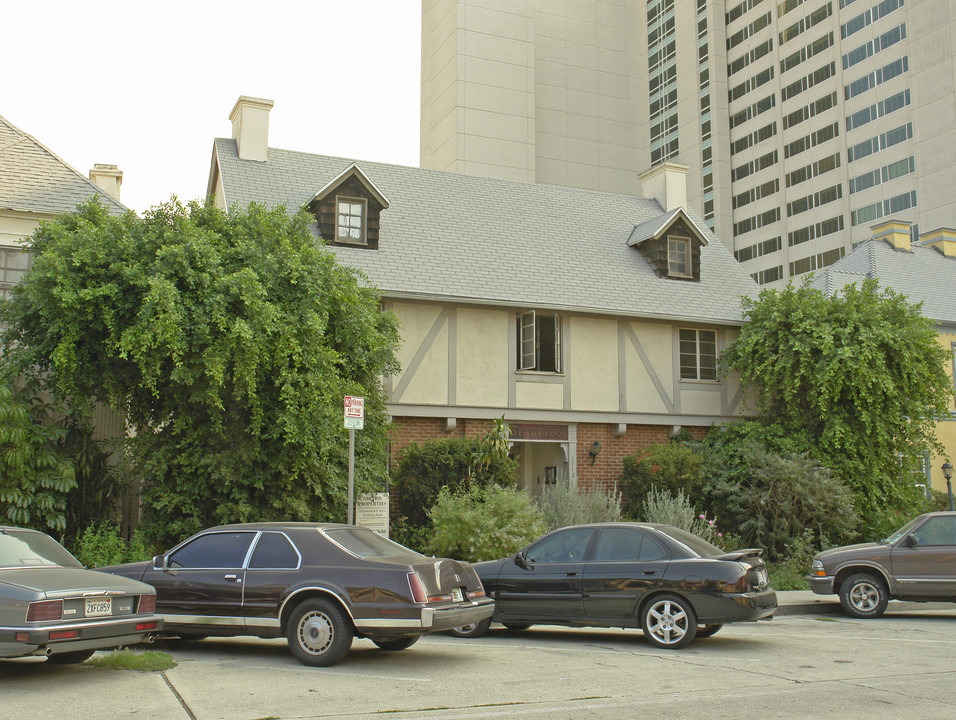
x,y
593,322
925,273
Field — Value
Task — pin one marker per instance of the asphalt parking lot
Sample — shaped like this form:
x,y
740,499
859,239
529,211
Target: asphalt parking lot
x,y
796,666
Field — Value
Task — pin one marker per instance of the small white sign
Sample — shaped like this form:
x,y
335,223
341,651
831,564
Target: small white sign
x,y
371,511
354,412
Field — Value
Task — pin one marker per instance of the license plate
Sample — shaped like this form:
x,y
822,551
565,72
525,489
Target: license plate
x,y
456,595
97,608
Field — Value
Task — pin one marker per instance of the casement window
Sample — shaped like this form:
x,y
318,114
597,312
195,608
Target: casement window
x,y
539,341
678,256
350,222
14,264
698,354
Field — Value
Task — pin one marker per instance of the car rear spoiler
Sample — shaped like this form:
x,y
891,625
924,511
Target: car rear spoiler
x,y
739,554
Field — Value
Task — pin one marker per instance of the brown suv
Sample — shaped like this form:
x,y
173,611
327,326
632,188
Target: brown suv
x,y
916,563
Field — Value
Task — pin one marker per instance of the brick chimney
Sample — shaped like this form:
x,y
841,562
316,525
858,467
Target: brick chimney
x,y
109,178
943,239
896,232
250,127
666,182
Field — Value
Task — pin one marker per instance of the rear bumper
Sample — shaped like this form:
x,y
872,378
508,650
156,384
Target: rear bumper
x,y
738,607
428,619
100,634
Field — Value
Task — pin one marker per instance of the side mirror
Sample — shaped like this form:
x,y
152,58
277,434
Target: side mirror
x,y
159,562
521,560
910,541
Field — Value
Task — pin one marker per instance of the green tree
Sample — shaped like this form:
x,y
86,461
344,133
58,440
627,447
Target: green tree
x,y
860,374
673,467
35,476
229,341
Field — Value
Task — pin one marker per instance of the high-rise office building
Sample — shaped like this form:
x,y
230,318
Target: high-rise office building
x,y
802,122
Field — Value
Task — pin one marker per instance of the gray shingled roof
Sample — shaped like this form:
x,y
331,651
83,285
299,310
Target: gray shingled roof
x,y
472,239
34,180
923,274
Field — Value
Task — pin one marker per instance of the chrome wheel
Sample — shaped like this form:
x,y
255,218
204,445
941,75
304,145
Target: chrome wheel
x,y
669,622
315,633
472,630
863,596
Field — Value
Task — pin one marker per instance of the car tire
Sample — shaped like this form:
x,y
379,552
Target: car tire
x,y
472,630
319,633
705,631
863,596
669,622
69,658
396,644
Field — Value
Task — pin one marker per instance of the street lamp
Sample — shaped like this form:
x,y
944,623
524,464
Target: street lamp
x,y
948,474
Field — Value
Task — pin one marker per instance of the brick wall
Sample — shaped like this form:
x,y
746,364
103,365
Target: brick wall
x,y
602,474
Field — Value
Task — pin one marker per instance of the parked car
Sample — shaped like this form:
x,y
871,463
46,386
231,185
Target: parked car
x,y
915,563
317,585
668,582
50,605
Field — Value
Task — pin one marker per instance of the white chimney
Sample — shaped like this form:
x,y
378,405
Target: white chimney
x,y
250,127
666,182
109,178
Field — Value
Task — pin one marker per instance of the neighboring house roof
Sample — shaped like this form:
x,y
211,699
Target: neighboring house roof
x,y
923,274
33,179
455,237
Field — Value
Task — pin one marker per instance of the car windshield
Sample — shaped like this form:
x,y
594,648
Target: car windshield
x,y
696,545
900,533
32,549
366,543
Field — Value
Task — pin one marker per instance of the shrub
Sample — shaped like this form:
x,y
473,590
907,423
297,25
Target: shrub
x,y
778,496
790,572
424,470
669,467
102,545
483,523
662,506
561,506
414,537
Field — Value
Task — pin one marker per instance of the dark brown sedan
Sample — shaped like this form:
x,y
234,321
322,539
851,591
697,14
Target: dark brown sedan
x,y
916,563
318,585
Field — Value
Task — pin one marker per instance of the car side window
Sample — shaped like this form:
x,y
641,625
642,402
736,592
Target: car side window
x,y
936,531
626,545
213,550
564,546
274,550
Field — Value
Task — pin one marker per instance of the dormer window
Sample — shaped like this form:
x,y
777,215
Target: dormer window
x,y
678,256
350,226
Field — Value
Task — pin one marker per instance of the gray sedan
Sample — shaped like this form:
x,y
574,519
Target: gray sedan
x,y
50,605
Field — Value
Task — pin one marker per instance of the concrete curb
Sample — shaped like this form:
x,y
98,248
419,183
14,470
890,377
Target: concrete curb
x,y
805,602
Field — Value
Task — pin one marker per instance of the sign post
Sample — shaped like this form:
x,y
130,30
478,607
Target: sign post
x,y
354,420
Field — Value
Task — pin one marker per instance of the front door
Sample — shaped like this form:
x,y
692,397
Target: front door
x,y
547,583
928,567
201,587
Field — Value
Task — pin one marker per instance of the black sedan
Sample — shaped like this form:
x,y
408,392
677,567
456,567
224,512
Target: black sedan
x,y
317,585
51,606
670,583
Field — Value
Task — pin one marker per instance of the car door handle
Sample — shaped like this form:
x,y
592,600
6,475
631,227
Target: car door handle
x,y
570,574
650,572
232,578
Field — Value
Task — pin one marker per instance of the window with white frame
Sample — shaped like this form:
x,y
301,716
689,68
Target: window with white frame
x,y
539,341
698,354
14,264
350,223
678,256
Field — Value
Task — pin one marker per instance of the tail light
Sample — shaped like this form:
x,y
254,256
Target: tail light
x,y
147,604
417,588
45,611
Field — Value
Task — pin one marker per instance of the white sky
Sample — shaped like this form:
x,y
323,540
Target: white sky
x,y
148,85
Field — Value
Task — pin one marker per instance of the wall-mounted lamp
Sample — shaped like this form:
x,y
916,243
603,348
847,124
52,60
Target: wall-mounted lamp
x,y
594,451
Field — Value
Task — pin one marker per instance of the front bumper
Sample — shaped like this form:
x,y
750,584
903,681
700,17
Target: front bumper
x,y
821,585
428,619
102,634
